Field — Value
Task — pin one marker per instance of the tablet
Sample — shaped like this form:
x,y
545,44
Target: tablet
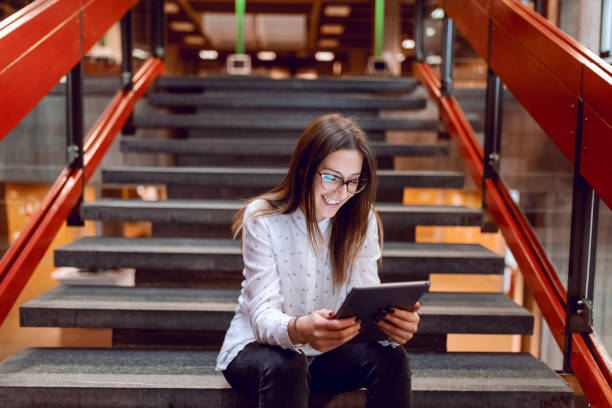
x,y
365,301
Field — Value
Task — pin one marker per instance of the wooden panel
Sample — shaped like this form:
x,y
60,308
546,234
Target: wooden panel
x,y
551,51
597,91
552,104
23,84
473,25
99,16
27,27
595,163
46,35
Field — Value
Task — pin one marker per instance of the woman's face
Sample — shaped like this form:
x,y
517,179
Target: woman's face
x,y
345,164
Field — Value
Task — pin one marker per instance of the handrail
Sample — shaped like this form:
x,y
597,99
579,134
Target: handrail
x,y
54,31
587,361
23,256
556,72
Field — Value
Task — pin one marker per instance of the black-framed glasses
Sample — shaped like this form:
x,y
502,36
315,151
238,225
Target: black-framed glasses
x,y
332,182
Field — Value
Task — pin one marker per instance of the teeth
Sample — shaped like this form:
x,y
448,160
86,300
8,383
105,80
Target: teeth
x,y
328,201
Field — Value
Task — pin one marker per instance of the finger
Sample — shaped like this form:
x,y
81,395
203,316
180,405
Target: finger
x,y
405,319
330,344
400,313
404,326
340,334
395,333
339,324
416,307
326,313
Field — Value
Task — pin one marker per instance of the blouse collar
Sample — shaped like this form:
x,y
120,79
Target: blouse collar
x,y
300,220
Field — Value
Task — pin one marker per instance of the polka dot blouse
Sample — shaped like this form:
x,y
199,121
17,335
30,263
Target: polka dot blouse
x,y
283,277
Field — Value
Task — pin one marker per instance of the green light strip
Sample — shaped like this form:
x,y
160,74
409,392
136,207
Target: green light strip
x,y
240,5
378,28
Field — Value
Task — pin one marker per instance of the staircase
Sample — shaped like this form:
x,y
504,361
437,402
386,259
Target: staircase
x,y
234,137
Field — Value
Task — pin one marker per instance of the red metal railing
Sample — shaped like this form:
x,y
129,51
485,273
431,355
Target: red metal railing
x,y
41,43
555,72
42,32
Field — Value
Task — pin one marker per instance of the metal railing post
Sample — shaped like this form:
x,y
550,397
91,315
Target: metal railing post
x,y
446,70
74,132
539,7
158,29
419,30
127,67
494,108
583,246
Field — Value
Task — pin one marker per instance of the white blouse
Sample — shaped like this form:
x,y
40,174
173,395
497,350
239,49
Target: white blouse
x,y
284,278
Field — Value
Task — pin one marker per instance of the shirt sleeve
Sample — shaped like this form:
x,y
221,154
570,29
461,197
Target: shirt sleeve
x,y
365,268
261,287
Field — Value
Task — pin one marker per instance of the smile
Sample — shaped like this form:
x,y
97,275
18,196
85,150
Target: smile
x,y
329,201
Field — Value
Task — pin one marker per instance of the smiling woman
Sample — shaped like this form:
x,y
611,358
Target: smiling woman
x,y
306,243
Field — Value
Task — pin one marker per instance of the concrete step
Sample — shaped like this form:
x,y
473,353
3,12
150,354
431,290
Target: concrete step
x,y
284,102
265,178
222,212
260,83
121,378
401,261
272,122
258,134
213,309
269,147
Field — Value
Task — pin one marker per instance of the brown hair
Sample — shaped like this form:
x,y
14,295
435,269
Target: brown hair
x,y
325,135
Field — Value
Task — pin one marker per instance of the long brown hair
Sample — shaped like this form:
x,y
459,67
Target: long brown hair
x,y
325,135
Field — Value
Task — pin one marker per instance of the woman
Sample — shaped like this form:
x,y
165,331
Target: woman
x,y
305,244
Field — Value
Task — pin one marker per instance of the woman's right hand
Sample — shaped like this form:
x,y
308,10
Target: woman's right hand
x,y
324,332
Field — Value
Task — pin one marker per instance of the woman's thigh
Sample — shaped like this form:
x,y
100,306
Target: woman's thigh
x,y
259,368
358,365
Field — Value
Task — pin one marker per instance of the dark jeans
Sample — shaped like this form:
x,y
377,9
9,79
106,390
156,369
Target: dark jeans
x,y
283,378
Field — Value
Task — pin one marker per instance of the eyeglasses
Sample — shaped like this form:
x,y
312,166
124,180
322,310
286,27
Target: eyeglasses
x,y
331,182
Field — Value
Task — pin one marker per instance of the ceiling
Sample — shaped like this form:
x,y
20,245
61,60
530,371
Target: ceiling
x,y
289,27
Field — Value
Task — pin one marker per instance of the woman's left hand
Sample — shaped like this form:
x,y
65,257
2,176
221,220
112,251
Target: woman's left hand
x,y
400,325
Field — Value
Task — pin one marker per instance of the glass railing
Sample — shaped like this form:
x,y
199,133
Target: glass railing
x,y
602,298
539,178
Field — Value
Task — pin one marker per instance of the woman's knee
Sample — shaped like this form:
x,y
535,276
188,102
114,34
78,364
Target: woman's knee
x,y
283,365
396,360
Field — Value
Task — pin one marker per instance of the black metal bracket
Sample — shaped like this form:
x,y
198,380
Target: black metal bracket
x,y
446,69
492,140
419,31
539,7
157,28
583,251
74,133
127,68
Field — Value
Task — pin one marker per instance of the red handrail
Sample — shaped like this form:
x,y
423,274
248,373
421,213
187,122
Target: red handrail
x,y
41,43
555,72
23,256
53,34
587,361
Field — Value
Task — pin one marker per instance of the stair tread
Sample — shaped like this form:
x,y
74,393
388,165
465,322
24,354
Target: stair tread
x,y
207,246
354,84
213,309
152,376
265,147
257,121
296,100
266,177
223,211
199,254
